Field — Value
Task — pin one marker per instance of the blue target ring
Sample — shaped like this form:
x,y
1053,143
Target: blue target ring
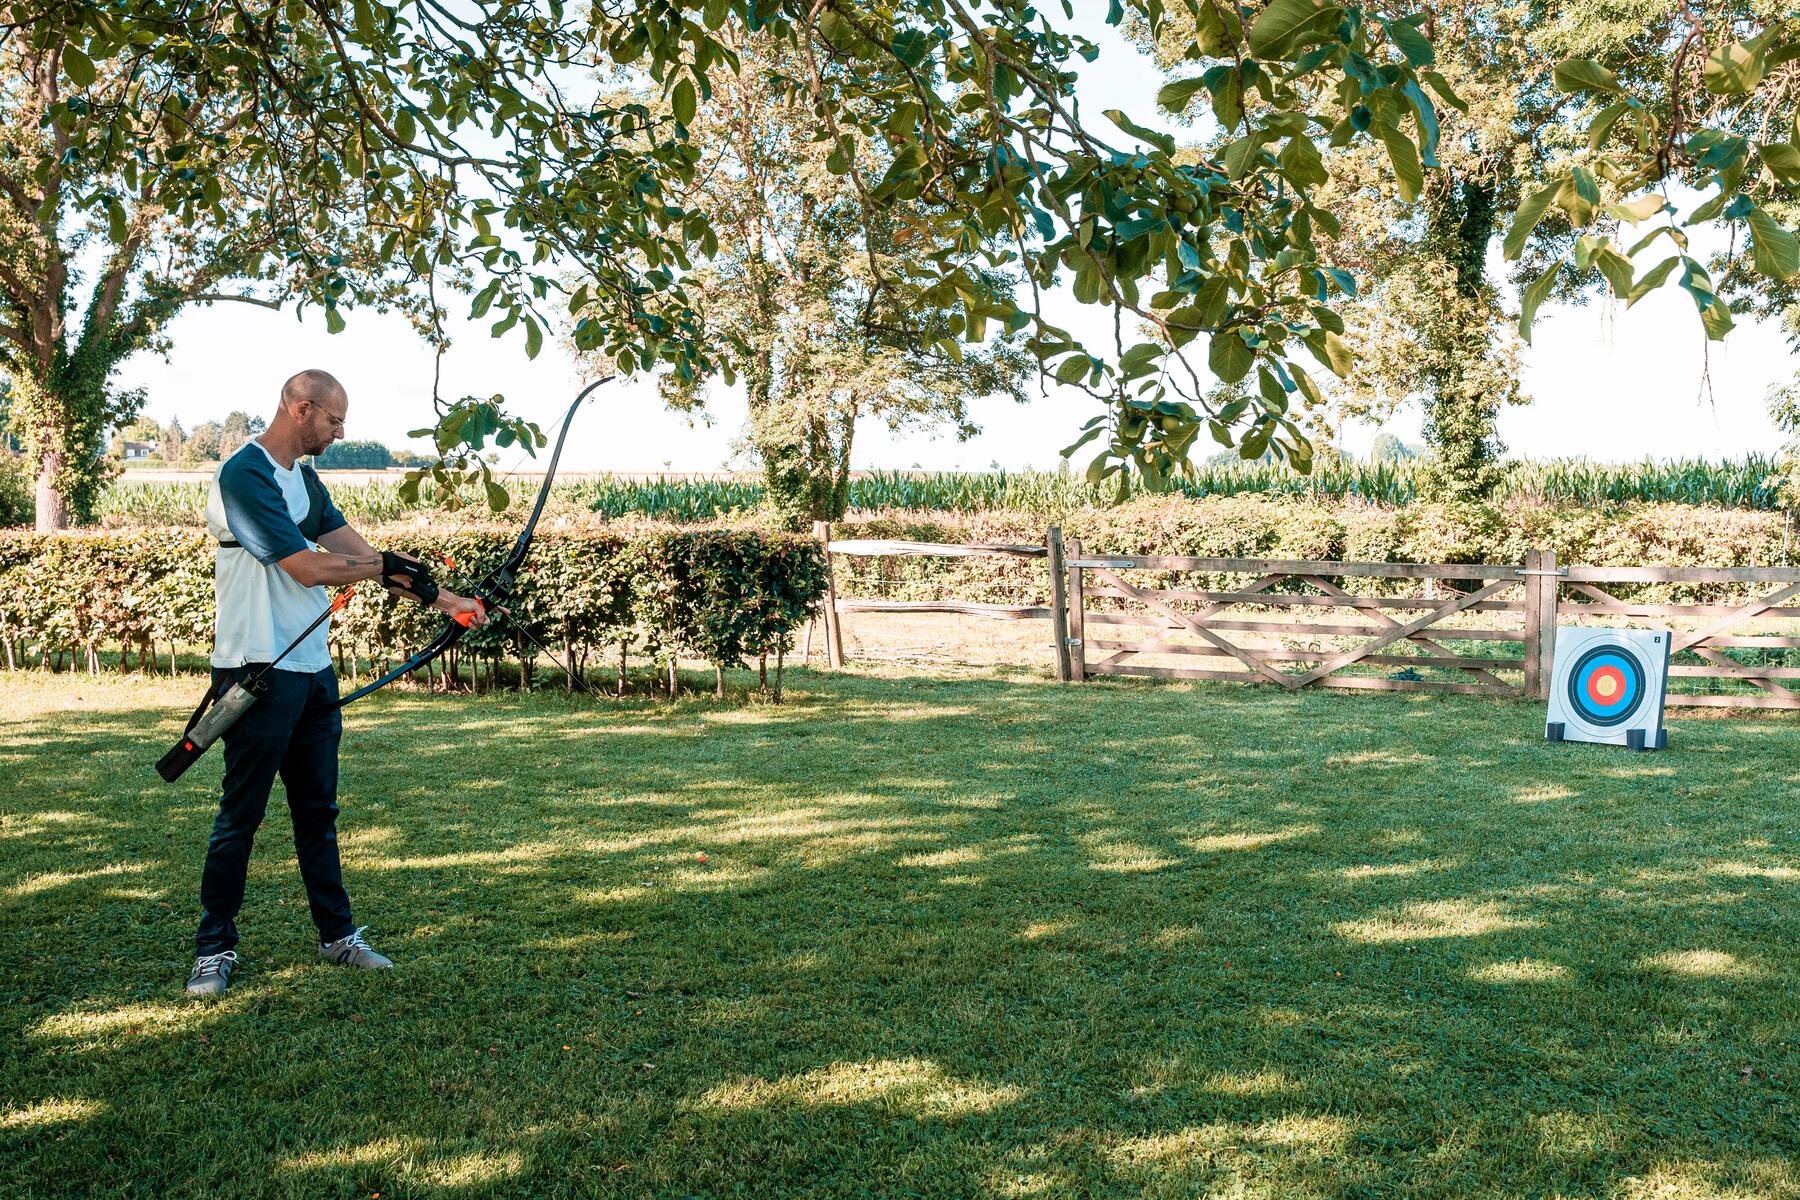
x,y
1606,685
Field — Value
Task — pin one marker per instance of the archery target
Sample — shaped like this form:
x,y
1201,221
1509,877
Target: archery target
x,y
1607,685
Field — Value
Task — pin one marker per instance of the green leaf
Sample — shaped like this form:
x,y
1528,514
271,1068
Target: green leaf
x,y
1074,368
1240,156
1617,269
1641,209
1715,318
534,338
1301,161
78,67
1445,92
1735,69
1776,251
911,46
1229,357
684,101
1175,95
1228,100
497,497
1783,158
1652,279
1275,27
1576,195
1338,356
334,321
1413,44
1407,171
1585,75
1609,116
1533,296
1161,141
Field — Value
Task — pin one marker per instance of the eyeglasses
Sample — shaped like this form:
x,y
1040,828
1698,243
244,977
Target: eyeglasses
x,y
337,423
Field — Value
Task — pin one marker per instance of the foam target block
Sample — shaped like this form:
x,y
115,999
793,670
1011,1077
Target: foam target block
x,y
1609,686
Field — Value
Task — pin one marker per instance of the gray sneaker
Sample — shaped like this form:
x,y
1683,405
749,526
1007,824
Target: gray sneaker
x,y
353,951
212,974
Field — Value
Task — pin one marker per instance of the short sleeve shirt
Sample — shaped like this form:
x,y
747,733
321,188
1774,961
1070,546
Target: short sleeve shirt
x,y
261,513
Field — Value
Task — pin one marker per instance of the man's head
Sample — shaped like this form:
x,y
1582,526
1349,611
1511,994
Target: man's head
x,y
314,404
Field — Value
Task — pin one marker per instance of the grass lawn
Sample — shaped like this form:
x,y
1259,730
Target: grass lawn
x,y
959,936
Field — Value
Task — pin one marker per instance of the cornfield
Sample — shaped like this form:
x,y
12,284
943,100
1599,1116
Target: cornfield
x,y
1747,484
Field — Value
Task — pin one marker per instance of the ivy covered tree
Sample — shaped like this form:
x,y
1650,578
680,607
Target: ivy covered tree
x,y
327,154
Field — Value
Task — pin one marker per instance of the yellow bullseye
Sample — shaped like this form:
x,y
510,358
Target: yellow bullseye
x,y
1606,685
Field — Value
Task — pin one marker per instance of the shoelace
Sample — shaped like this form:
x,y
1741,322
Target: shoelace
x,y
214,964
349,944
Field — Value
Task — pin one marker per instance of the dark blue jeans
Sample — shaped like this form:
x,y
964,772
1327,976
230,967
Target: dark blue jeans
x,y
293,731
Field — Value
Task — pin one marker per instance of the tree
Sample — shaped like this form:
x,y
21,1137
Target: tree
x,y
1389,449
795,289
170,441
238,428
1429,321
202,444
1693,100
330,156
365,456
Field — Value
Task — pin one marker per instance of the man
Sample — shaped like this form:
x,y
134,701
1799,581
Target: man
x,y
281,543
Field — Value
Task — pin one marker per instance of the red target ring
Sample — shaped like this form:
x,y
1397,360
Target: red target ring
x,y
1606,685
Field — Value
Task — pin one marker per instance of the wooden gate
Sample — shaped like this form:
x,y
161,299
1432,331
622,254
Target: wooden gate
x,y
1384,626
1711,630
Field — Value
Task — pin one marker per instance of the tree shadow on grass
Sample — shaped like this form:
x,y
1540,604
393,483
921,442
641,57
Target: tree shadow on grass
x,y
960,938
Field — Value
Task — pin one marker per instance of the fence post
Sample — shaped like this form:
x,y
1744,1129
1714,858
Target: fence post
x,y
1534,596
1077,618
1547,615
834,634
1059,602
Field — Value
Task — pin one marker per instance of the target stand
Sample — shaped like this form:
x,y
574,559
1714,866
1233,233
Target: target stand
x,y
1608,686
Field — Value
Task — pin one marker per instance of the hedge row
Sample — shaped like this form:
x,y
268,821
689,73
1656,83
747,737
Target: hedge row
x,y
723,595
1255,527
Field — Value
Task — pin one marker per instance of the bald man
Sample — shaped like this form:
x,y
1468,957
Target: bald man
x,y
281,543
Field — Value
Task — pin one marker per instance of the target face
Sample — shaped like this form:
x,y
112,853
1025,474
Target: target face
x,y
1607,685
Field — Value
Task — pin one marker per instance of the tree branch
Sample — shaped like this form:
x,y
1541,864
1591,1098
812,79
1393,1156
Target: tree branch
x,y
210,297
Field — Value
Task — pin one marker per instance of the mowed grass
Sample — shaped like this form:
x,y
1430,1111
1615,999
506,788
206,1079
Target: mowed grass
x,y
967,936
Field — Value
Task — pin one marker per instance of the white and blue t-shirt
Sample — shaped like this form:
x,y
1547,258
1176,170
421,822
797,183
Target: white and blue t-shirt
x,y
261,513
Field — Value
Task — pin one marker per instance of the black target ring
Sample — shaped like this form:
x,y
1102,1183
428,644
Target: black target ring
x,y
1608,664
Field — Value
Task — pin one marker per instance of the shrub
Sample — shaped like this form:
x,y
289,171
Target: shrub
x,y
723,595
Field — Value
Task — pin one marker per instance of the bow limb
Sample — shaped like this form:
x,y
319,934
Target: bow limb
x,y
496,585
446,638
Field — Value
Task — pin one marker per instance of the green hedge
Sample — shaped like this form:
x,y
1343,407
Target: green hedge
x,y
724,595
1256,527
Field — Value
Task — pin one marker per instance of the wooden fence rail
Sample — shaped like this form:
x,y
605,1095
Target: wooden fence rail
x,y
1462,628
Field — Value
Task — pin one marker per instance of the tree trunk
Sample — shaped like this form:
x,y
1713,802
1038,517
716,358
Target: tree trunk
x,y
52,506
718,682
780,653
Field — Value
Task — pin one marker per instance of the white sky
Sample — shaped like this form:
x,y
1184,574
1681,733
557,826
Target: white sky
x,y
1608,384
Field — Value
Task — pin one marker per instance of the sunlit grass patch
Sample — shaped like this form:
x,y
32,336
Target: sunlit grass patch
x,y
47,1113
1521,970
1704,964
914,1087
1428,919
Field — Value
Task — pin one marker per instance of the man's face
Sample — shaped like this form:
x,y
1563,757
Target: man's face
x,y
322,421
